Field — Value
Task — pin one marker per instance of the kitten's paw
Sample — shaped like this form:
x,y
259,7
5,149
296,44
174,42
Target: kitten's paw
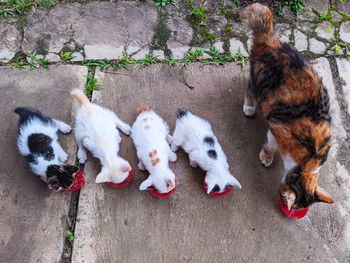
x,y
63,158
141,166
82,157
169,139
265,157
65,128
249,111
173,147
126,129
172,157
193,164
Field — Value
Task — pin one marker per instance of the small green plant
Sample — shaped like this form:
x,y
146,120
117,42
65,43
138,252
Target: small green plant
x,y
228,29
101,63
46,3
123,62
240,59
18,63
295,5
325,16
164,3
209,37
70,235
193,55
35,61
171,61
66,55
190,2
197,14
343,1
216,57
6,12
148,60
91,83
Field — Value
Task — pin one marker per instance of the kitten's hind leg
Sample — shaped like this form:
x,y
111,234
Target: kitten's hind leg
x,y
124,127
172,155
82,156
268,149
62,126
177,138
249,106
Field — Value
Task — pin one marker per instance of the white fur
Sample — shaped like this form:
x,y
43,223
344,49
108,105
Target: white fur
x,y
189,133
96,130
150,132
35,125
248,110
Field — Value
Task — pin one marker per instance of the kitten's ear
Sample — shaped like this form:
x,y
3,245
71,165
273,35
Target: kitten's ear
x,y
103,177
234,182
288,197
322,196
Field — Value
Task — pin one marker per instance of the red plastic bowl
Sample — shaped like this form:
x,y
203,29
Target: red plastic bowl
x,y
217,194
293,213
124,183
158,195
78,183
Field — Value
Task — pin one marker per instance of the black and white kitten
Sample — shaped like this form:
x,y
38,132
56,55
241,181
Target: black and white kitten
x,y
37,141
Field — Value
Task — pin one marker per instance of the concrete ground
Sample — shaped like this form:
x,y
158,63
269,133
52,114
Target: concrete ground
x,y
127,225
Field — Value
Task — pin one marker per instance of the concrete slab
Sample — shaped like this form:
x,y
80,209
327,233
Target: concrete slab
x,y
127,225
32,221
344,72
10,39
90,25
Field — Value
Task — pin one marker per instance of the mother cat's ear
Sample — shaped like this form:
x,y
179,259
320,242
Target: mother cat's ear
x,y
322,196
288,197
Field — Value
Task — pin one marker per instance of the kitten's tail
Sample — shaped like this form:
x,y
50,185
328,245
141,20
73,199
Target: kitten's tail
x,y
259,19
80,96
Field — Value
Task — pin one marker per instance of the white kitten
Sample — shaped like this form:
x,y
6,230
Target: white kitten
x,y
196,137
96,130
150,134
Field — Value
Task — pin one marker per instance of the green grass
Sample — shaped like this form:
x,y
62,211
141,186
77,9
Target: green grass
x,y
296,6
228,29
11,7
240,59
197,14
171,61
66,55
147,60
36,61
343,1
91,84
193,55
164,3
70,235
101,63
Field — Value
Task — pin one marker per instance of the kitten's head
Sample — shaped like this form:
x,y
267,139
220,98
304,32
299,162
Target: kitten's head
x,y
60,176
300,190
115,174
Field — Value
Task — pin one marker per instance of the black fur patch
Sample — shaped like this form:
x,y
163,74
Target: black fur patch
x,y
212,154
296,59
31,159
209,140
216,188
317,109
27,113
270,75
40,144
181,113
63,174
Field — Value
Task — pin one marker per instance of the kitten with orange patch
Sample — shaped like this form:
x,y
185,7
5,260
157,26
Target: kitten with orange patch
x,y
150,134
295,103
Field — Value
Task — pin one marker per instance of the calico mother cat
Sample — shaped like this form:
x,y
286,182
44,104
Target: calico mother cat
x,y
295,103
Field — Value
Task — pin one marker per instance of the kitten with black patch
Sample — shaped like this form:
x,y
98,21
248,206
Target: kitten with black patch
x,y
292,98
196,137
37,141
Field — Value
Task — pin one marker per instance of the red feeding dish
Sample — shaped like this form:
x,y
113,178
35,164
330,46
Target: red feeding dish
x,y
158,195
293,213
78,183
124,183
217,194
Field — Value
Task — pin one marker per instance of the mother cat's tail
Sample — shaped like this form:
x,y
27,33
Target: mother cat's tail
x,y
80,96
259,19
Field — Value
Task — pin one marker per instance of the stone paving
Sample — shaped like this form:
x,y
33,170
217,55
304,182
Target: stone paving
x,y
130,226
